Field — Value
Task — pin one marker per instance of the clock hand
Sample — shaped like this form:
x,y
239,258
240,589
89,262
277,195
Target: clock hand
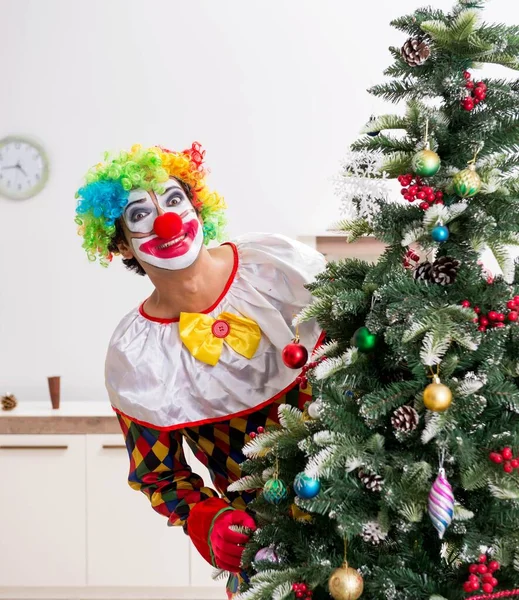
x,y
11,167
21,169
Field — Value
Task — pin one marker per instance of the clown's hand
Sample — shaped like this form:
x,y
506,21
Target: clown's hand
x,y
227,543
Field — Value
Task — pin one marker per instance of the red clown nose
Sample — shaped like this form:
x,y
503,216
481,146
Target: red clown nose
x,y
168,225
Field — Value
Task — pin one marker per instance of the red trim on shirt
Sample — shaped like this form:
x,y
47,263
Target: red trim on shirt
x,y
222,418
228,285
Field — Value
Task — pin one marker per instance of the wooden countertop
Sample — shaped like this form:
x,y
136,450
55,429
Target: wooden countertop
x,y
70,418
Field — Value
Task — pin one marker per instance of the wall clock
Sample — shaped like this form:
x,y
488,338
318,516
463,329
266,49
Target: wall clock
x,y
24,168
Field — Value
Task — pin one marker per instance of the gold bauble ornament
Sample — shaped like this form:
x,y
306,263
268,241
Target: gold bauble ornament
x,y
346,583
467,183
436,396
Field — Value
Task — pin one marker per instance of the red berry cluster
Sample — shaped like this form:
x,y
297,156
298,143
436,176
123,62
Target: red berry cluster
x,y
482,576
302,591
253,434
506,458
477,92
413,189
411,259
494,318
302,380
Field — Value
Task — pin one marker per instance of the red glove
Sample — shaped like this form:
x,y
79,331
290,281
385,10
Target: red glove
x,y
228,545
208,527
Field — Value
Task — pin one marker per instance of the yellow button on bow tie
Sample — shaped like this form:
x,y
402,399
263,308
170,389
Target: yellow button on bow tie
x,y
204,336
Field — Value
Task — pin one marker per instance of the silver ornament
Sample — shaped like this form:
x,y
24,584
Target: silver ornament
x,y
314,409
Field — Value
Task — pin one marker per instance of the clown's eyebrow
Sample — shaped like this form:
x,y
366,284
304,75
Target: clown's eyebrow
x,y
174,185
136,201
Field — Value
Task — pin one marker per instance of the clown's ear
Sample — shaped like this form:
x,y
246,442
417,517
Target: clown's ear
x,y
125,251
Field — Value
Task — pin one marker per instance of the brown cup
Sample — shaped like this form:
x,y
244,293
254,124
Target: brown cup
x,y
54,389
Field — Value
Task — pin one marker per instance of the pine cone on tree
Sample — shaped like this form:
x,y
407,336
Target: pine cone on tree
x,y
9,402
372,533
415,51
423,271
405,419
373,482
444,270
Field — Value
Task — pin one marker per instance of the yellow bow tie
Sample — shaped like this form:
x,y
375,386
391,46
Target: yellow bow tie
x,y
204,336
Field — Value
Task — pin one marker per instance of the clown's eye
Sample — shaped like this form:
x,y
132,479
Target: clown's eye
x,y
174,200
138,215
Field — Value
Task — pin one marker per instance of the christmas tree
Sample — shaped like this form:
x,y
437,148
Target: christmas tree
x,y
407,461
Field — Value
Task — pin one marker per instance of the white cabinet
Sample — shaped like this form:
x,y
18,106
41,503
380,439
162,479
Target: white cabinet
x,y
72,528
42,510
128,542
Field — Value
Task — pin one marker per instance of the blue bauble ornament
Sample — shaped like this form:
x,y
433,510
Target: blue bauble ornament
x,y
306,487
440,233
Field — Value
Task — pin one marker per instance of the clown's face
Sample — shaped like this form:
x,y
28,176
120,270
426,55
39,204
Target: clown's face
x,y
175,252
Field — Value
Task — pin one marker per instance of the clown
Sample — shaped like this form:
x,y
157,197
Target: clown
x,y
200,361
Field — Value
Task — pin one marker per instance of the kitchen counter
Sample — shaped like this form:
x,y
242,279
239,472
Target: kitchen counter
x,y
70,418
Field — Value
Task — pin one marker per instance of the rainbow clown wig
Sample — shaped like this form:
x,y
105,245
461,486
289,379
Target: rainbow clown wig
x,y
102,199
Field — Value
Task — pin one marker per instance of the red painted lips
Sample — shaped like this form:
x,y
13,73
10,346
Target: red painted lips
x,y
162,248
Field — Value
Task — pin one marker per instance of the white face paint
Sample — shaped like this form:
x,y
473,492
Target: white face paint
x,y
140,213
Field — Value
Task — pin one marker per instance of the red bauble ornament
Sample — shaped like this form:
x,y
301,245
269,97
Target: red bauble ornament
x,y
470,85
473,569
424,206
482,328
515,463
474,585
421,195
481,85
482,569
493,565
492,315
499,324
513,315
500,316
477,310
511,305
467,75
488,588
507,467
467,587
261,430
507,453
482,558
484,321
516,299
294,355
252,435
465,304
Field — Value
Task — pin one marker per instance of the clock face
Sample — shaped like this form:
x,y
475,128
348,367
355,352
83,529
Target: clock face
x,y
23,168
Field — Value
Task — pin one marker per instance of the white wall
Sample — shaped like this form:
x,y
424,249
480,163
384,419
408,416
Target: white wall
x,y
274,89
